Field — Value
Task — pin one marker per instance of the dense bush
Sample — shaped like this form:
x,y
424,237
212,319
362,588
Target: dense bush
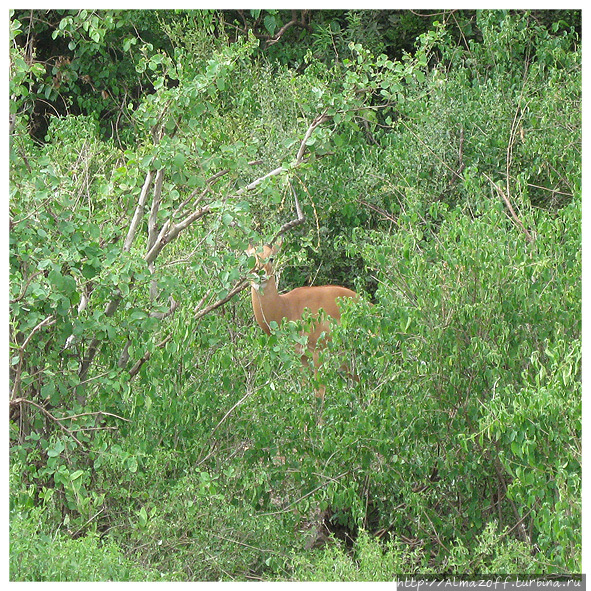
x,y
158,434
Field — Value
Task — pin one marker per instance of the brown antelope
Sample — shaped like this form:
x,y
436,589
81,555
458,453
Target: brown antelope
x,y
271,306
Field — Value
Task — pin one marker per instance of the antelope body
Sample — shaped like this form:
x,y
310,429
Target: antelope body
x,y
270,306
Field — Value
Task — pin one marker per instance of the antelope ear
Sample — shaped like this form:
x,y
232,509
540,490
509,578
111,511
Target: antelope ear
x,y
278,244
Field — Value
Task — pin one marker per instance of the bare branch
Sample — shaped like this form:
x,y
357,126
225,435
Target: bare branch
x,y
19,401
138,364
258,181
124,357
248,393
242,284
208,183
510,208
318,121
21,354
169,232
299,157
139,212
202,301
153,228
553,191
91,414
294,22
171,310
156,200
300,219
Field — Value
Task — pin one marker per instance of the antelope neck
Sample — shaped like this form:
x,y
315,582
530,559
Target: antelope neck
x,y
267,303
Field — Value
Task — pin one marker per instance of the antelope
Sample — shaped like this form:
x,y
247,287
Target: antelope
x,y
270,306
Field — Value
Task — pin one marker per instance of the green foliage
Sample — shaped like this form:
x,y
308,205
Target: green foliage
x,y
39,554
92,64
23,74
197,530
372,560
476,322
154,426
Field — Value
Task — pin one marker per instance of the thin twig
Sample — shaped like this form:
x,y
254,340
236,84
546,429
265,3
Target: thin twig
x,y
288,507
454,172
21,354
237,404
138,364
500,478
25,287
19,401
95,413
553,191
435,531
242,284
87,522
300,219
510,208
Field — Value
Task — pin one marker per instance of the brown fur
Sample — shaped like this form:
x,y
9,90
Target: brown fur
x,y
269,305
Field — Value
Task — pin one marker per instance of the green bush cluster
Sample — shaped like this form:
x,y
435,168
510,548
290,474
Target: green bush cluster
x,y
158,434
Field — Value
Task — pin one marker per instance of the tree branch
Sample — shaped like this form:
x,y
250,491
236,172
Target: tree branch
x,y
156,200
242,284
153,227
16,384
94,344
173,305
319,120
300,219
138,364
19,401
25,287
294,22
170,231
299,157
510,208
139,212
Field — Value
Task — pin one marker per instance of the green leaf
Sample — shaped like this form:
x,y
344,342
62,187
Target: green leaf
x,y
270,24
56,450
143,517
132,464
516,448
